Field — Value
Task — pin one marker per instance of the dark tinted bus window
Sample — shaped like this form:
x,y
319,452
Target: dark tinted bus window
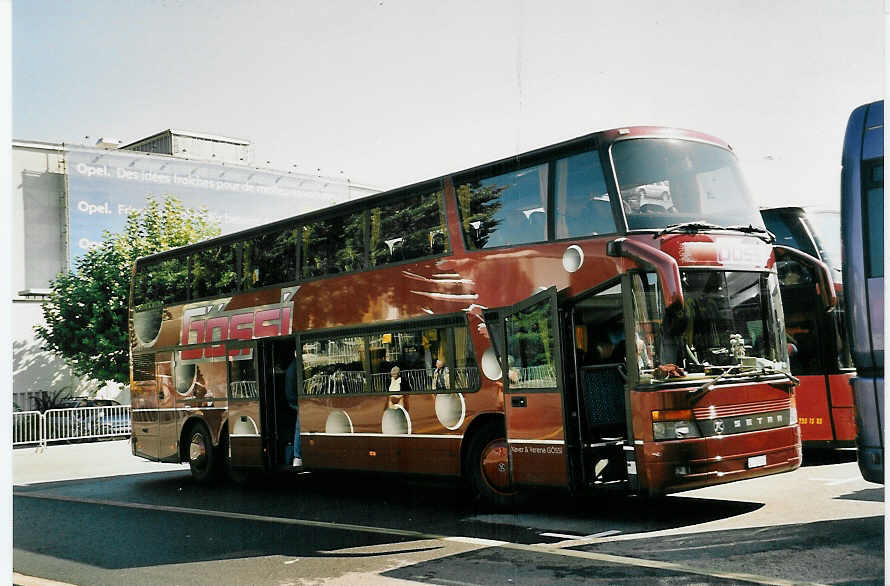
x,y
163,281
407,228
334,245
582,205
874,207
269,259
790,230
213,271
504,210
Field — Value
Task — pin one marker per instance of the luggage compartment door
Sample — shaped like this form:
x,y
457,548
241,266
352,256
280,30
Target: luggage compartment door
x,y
244,416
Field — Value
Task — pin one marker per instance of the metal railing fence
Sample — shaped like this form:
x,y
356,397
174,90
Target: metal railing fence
x,y
34,427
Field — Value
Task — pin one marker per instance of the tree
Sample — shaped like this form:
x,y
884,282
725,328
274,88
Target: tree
x,y
86,311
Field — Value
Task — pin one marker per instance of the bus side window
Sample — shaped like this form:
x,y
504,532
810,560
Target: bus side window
x,y
419,353
408,228
163,281
582,206
213,271
874,222
269,259
334,366
333,245
505,209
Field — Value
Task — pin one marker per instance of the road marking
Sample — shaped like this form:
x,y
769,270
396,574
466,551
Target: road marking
x,y
561,535
577,537
22,580
475,541
536,548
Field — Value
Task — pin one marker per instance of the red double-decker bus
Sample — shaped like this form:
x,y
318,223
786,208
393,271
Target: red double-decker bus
x,y
810,279
604,312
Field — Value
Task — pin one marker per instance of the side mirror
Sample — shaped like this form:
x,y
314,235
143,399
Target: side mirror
x,y
791,257
664,264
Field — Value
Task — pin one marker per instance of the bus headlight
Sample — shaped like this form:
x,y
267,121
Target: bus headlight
x,y
669,430
675,424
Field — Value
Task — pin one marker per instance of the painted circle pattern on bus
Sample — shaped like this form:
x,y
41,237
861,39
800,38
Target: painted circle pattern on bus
x,y
491,368
245,425
572,258
338,422
451,409
396,421
147,325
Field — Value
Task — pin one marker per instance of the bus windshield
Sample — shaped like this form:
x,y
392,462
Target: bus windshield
x,y
729,319
827,233
664,182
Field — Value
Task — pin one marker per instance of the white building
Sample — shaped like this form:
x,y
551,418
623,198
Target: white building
x,y
66,196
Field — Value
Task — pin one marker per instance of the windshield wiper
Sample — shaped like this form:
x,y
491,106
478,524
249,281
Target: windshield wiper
x,y
688,228
696,394
770,370
761,233
698,226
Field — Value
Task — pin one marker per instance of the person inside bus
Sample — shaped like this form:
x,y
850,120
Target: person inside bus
x,y
441,376
397,384
290,393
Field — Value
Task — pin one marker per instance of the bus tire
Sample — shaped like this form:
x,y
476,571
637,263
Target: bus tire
x,y
487,468
202,455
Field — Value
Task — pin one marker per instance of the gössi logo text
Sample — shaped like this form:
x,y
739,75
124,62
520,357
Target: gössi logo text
x,y
105,208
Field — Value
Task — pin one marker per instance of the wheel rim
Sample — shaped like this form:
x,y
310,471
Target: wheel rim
x,y
197,449
495,467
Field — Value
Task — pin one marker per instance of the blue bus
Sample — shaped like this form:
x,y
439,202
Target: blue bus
x,y
862,227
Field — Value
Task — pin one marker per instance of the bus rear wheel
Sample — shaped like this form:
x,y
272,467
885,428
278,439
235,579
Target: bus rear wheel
x,y
201,454
487,468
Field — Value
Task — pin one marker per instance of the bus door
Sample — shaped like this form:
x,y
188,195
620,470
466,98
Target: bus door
x,y
824,399
528,340
244,413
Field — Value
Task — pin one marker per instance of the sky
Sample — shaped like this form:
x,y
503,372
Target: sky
x,y
391,92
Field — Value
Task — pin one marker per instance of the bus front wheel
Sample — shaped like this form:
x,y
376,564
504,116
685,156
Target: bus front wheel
x,y
201,454
488,468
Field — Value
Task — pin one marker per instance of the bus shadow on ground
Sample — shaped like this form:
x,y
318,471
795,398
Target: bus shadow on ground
x,y
428,506
117,538
824,551
873,495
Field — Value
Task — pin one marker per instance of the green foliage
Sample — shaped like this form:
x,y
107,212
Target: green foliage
x,y
51,399
480,205
86,311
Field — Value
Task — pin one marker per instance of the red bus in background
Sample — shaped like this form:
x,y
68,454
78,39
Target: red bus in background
x,y
815,323
607,310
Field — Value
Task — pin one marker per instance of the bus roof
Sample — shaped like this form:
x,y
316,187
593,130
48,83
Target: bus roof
x,y
598,139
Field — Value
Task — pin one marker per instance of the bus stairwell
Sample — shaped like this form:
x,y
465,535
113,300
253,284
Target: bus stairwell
x,y
595,375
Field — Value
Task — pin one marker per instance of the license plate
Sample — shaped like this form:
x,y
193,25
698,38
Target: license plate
x,y
757,461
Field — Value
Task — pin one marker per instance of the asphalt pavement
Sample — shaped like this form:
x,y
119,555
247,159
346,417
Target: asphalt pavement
x,y
94,514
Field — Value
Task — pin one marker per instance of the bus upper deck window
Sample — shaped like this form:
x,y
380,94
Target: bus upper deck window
x,y
582,206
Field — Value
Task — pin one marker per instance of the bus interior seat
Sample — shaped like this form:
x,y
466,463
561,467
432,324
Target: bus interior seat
x,y
603,390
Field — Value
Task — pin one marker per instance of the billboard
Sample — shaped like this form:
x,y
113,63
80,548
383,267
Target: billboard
x,y
104,186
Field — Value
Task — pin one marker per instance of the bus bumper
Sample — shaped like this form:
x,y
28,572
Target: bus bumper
x,y
674,466
868,396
